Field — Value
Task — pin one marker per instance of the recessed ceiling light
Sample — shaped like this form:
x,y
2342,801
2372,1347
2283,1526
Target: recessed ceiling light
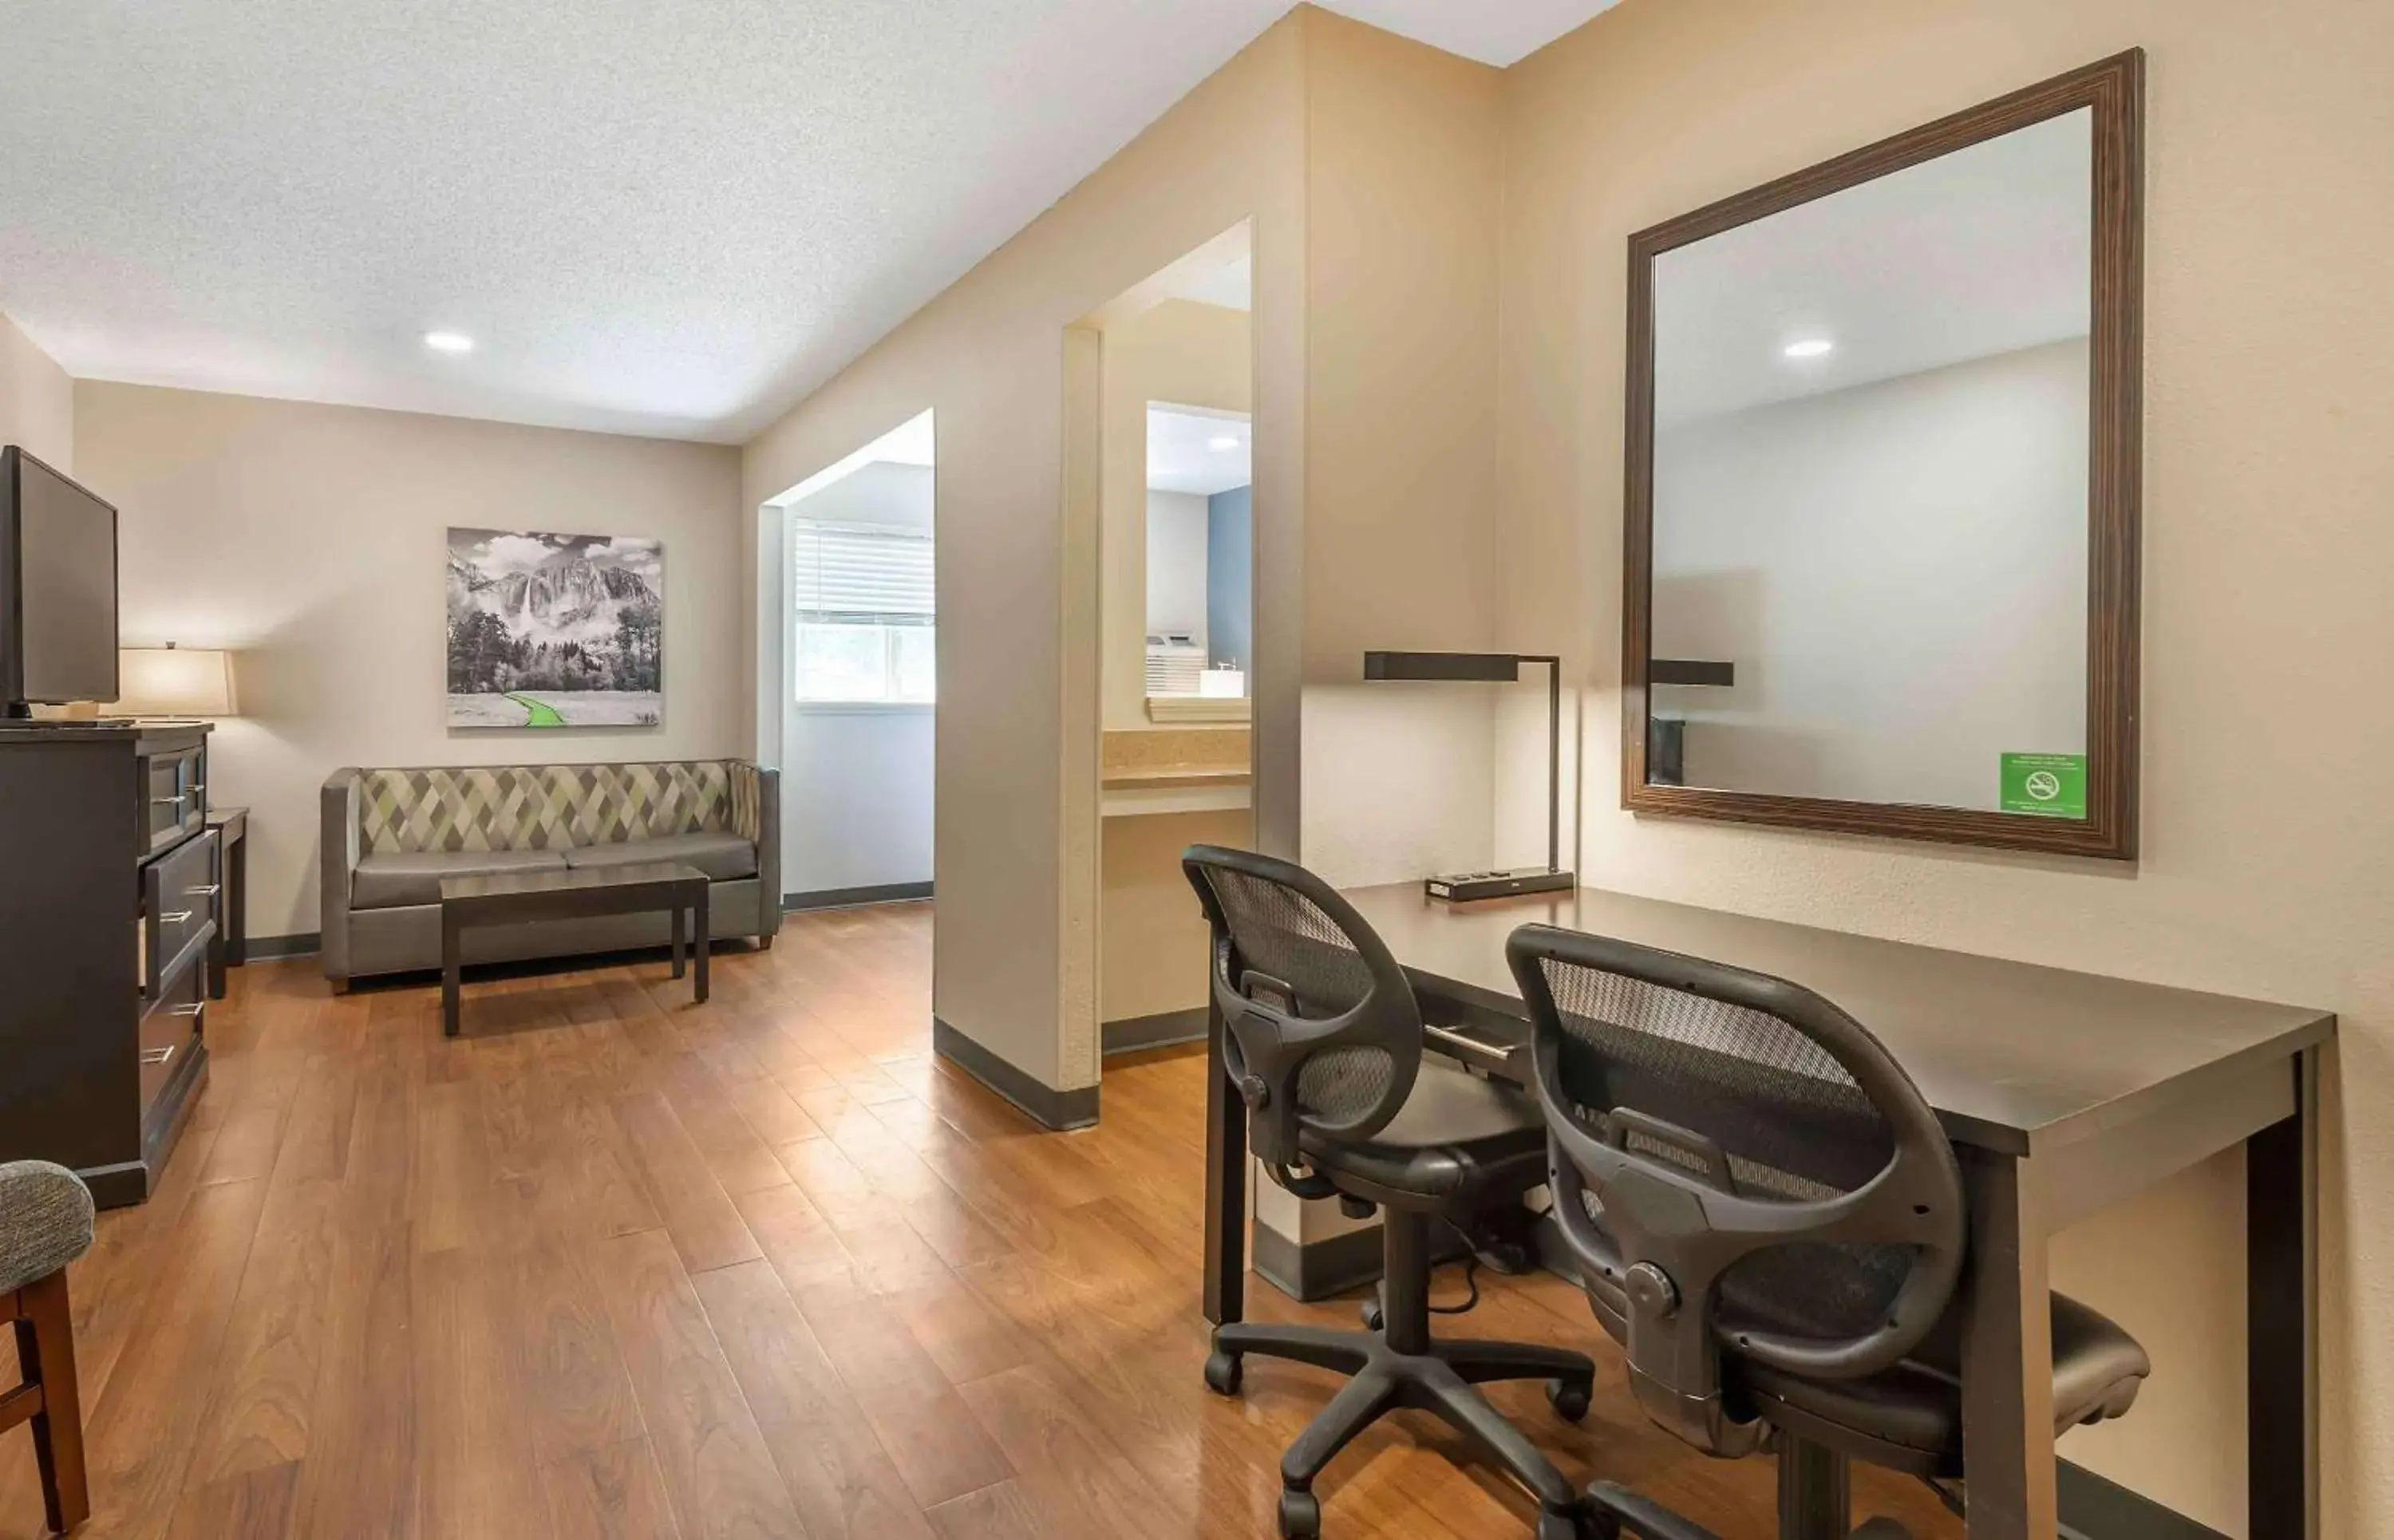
x,y
448,342
1222,446
1810,347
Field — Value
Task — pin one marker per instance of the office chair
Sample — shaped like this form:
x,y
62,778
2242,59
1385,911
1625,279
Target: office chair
x,y
1323,1041
1767,1214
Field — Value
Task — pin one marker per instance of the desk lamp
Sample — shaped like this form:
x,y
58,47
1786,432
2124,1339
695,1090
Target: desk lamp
x,y
1500,668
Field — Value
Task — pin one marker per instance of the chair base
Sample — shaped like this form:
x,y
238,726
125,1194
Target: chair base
x,y
1815,1503
1438,1380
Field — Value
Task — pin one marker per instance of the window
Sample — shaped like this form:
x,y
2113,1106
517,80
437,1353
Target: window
x,y
865,613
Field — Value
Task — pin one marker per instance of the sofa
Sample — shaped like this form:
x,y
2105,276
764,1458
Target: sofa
x,y
390,836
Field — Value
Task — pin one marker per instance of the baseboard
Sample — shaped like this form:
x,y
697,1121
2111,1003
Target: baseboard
x,y
856,897
1309,1270
259,948
2094,1509
1042,1103
1162,1030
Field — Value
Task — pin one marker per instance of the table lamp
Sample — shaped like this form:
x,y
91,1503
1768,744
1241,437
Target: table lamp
x,y
173,681
1501,668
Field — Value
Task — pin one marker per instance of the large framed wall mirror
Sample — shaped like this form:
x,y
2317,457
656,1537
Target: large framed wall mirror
x,y
1882,478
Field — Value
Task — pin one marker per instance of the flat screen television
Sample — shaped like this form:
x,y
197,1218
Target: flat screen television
x,y
58,588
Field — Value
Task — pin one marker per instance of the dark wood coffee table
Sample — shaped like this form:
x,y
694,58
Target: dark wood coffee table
x,y
573,893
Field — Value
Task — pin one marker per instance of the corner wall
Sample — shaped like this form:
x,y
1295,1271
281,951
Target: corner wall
x,y
1016,802
36,399
1406,174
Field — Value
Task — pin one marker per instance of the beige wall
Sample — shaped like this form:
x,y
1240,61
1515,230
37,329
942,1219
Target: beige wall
x,y
1154,936
1017,828
2266,829
36,399
1405,190
311,538
1187,354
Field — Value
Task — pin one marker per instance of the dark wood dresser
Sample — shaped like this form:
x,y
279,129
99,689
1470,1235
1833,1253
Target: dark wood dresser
x,y
110,890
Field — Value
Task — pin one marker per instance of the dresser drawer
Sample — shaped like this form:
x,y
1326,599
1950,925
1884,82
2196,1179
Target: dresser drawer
x,y
172,1027
178,909
174,793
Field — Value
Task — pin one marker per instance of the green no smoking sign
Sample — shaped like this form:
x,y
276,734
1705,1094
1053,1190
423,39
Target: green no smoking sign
x,y
2046,785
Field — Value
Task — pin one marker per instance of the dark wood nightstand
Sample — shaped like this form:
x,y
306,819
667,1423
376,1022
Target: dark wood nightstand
x,y
231,947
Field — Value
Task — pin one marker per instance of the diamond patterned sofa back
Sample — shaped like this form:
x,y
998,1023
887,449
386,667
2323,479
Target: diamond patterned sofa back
x,y
391,835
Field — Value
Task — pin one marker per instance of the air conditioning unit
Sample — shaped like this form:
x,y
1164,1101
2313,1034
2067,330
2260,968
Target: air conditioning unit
x,y
1173,663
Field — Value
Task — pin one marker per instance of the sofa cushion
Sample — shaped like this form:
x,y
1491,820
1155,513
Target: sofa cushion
x,y
395,879
723,857
548,807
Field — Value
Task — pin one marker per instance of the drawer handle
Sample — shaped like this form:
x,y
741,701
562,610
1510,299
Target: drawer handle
x,y
152,1058
175,917
199,1009
206,890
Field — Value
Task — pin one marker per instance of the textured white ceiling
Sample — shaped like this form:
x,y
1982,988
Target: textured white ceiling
x,y
669,219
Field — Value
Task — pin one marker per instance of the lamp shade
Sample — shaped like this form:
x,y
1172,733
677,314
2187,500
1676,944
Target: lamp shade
x,y
174,681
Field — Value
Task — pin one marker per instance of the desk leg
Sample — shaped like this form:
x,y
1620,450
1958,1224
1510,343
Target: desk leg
x,y
2282,1328
216,985
2007,1354
1226,1185
450,971
676,909
236,902
702,940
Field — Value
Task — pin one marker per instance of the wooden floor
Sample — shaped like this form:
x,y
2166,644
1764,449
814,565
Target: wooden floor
x,y
616,1265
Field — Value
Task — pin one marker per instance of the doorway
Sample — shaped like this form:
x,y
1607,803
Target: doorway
x,y
1176,537
857,696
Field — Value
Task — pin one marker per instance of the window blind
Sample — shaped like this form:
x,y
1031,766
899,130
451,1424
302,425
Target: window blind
x,y
861,575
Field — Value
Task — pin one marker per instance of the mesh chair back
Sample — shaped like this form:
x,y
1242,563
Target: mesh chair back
x,y
1751,1147
1323,1031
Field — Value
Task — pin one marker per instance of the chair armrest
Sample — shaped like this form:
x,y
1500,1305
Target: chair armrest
x,y
769,849
44,1221
339,861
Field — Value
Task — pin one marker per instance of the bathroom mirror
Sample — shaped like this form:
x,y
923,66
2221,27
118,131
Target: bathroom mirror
x,y
1199,563
1882,503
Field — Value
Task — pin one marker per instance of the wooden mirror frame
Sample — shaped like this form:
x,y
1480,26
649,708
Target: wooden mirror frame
x,y
2114,90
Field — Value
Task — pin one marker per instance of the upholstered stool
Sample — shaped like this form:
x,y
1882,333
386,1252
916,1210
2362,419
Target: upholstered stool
x,y
45,1224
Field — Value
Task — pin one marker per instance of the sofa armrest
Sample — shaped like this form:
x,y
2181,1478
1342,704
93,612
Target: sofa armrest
x,y
338,861
769,850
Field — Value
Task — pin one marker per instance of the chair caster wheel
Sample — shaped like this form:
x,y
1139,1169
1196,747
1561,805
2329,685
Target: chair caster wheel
x,y
1375,1318
1300,1516
1559,1526
1223,1372
1569,1398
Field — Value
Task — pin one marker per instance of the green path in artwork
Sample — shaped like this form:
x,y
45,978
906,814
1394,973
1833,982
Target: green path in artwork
x,y
542,714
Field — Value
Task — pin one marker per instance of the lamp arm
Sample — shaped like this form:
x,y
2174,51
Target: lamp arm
x,y
1553,754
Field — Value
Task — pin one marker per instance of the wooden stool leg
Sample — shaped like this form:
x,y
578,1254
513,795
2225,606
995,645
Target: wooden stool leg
x,y
46,1341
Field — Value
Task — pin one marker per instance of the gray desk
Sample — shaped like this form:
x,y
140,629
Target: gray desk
x,y
2064,1093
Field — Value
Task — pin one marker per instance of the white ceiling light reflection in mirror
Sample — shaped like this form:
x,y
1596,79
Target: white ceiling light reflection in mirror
x,y
1189,449
1980,252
